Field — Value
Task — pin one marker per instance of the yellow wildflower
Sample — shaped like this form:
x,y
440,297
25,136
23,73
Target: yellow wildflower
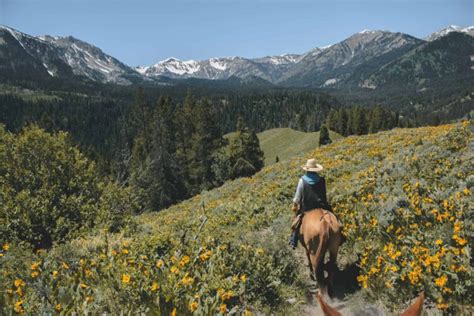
x,y
226,295
6,247
466,191
83,286
154,287
438,242
441,281
363,279
457,227
58,307
187,280
10,291
160,263
205,255
19,307
34,274
173,312
19,291
19,283
184,261
126,278
174,270
65,266
461,241
223,308
55,274
34,266
447,290
193,306
125,251
243,278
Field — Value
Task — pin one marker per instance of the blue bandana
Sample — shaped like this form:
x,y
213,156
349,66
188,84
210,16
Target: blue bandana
x,y
311,178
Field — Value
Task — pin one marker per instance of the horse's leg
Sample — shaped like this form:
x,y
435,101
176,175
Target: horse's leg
x,y
332,264
318,268
311,270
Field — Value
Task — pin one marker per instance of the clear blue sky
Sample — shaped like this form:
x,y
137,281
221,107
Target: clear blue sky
x,y
140,32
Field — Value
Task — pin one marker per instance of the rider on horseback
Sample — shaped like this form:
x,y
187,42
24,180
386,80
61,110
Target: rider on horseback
x,y
310,194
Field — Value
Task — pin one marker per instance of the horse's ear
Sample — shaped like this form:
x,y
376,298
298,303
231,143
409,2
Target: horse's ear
x,y
415,308
327,310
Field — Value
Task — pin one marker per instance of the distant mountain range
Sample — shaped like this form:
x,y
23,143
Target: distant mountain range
x,y
369,59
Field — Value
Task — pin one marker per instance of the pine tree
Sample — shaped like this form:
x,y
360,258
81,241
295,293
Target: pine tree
x,y
359,122
184,122
324,136
341,124
206,141
246,156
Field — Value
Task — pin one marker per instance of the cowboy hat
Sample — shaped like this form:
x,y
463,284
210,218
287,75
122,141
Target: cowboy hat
x,y
312,166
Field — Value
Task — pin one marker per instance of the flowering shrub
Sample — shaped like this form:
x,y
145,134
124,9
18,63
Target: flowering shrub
x,y
402,195
49,191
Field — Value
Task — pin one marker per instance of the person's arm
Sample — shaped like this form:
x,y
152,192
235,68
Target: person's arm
x,y
324,197
298,196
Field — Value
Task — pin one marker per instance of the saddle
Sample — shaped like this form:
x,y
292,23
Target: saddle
x,y
299,218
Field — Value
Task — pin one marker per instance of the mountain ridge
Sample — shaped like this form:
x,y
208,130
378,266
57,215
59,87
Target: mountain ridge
x,y
350,62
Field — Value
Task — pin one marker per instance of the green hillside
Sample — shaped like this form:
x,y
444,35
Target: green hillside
x,y
286,143
403,196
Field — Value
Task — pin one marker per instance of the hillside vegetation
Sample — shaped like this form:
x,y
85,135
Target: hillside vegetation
x,y
285,143
403,196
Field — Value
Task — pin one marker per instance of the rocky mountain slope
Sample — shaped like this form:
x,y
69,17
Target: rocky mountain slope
x,y
354,62
27,56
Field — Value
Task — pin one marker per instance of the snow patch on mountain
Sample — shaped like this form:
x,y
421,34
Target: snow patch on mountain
x,y
450,28
218,64
51,73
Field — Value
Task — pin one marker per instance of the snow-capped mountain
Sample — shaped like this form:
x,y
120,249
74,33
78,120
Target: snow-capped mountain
x,y
268,68
451,28
88,60
65,57
349,62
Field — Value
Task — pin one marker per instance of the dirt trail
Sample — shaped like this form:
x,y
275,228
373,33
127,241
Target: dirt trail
x,y
345,284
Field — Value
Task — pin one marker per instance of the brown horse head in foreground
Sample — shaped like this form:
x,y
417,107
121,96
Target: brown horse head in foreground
x,y
414,310
321,231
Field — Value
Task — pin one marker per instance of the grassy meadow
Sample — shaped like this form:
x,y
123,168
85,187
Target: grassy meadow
x,y
404,197
287,143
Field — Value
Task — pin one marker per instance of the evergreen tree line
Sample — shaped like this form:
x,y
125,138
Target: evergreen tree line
x,y
359,120
176,151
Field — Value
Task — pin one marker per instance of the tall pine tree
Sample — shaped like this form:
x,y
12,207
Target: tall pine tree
x,y
324,136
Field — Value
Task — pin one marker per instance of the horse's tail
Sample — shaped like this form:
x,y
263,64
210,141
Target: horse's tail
x,y
323,239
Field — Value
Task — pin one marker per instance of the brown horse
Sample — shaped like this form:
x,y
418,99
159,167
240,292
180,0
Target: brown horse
x,y
414,310
321,231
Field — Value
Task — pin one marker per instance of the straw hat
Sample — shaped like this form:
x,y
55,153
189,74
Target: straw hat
x,y
312,166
